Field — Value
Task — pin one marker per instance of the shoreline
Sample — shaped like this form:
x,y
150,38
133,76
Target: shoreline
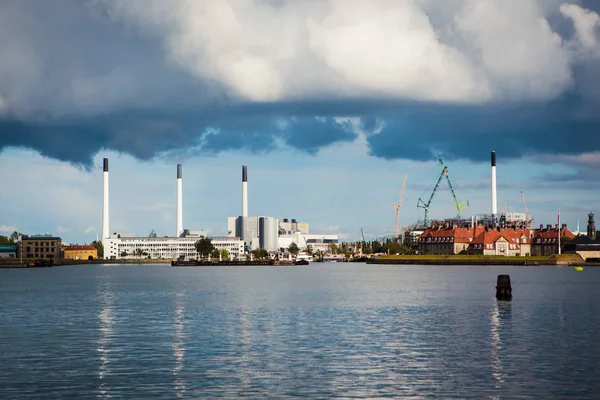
x,y
382,260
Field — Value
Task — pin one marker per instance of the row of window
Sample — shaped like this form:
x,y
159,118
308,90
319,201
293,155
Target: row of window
x,y
451,239
36,243
47,249
546,240
154,245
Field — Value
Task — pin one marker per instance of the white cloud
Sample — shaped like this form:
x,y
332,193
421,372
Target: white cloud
x,y
450,51
515,48
585,21
89,230
585,44
477,50
7,228
589,159
62,229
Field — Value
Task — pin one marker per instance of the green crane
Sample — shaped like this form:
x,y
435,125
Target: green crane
x,y
459,205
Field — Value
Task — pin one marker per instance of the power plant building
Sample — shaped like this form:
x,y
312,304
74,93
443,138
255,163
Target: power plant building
x,y
127,245
269,233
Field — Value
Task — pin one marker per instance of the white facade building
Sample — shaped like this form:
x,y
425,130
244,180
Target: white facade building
x,y
166,247
315,241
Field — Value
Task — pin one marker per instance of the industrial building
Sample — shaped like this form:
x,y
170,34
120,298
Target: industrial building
x,y
127,245
504,233
271,234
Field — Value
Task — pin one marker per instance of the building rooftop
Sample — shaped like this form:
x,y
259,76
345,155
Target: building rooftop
x,y
41,237
79,247
8,248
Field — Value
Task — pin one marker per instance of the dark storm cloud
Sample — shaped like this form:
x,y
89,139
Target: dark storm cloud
x,y
411,131
144,134
76,82
428,131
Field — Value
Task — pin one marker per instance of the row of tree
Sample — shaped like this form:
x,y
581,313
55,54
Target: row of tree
x,y
13,238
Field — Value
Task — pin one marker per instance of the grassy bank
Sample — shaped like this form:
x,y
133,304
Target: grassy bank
x,y
476,259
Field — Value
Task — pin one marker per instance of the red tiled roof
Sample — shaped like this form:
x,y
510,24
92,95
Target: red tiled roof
x,y
552,233
479,235
459,235
79,247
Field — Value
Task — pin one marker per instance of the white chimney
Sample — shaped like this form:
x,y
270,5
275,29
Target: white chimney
x,y
179,202
244,191
494,201
105,229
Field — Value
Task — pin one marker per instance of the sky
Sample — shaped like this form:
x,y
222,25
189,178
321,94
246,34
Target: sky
x,y
329,103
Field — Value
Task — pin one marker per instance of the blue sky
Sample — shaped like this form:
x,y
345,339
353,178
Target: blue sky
x,y
329,103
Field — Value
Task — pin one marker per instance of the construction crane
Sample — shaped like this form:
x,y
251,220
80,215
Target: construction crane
x,y
505,206
363,241
459,205
527,214
397,207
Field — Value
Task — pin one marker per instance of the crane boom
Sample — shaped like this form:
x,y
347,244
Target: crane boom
x,y
397,207
504,207
527,214
422,204
459,205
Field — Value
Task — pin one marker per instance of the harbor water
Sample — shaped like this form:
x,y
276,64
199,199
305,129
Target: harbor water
x,y
328,330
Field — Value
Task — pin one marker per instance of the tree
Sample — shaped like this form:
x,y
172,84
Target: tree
x,y
260,253
309,249
204,246
138,252
333,248
100,247
224,254
14,237
293,248
124,254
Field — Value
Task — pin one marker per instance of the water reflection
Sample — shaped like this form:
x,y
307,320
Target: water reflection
x,y
245,363
105,327
499,315
178,345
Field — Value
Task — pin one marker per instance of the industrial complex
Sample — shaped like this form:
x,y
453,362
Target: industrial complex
x,y
496,233
245,232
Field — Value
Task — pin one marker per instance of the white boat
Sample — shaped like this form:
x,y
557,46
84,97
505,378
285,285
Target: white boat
x,y
303,258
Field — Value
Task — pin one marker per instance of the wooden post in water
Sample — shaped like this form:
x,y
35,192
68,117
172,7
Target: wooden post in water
x,y
503,288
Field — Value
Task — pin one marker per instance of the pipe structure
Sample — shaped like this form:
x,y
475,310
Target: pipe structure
x,y
244,191
179,202
494,201
105,219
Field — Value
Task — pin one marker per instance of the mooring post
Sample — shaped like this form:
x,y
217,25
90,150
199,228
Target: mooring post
x,y
503,288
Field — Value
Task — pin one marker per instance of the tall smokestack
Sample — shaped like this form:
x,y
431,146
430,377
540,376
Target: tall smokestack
x,y
179,202
105,230
494,201
244,191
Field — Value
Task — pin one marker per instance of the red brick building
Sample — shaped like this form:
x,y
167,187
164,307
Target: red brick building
x,y
545,240
447,239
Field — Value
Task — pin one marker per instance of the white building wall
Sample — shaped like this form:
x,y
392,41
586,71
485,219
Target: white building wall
x,y
231,226
317,242
268,233
167,248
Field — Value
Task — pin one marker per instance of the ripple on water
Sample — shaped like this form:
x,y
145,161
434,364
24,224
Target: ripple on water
x,y
350,331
